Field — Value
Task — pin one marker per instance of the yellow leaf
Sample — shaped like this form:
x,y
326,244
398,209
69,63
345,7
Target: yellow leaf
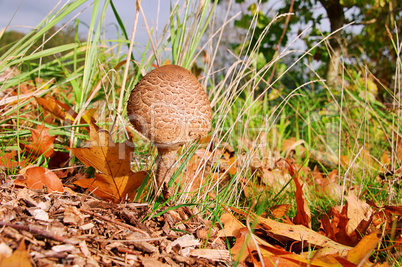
x,y
363,249
19,258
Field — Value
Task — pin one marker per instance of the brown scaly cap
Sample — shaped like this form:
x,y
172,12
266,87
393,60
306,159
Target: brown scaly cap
x,y
170,107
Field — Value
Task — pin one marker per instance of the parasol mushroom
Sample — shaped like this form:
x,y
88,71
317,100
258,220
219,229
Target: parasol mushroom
x,y
169,107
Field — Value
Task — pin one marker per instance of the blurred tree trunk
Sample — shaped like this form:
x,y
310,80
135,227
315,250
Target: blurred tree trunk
x,y
336,17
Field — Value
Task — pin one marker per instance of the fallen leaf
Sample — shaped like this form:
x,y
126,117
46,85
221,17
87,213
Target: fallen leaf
x,y
397,210
115,180
358,211
53,106
291,144
8,160
303,215
114,189
58,159
327,185
297,233
244,245
363,249
231,225
34,177
19,258
42,142
63,111
279,211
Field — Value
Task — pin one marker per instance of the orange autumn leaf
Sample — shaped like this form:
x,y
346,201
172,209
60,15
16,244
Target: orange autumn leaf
x,y
329,185
19,258
358,210
62,110
42,142
363,249
303,215
244,245
232,225
34,177
115,180
297,233
8,160
112,189
53,106
279,211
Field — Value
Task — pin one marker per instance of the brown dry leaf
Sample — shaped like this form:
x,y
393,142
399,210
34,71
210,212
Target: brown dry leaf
x,y
276,179
229,162
290,144
279,211
116,179
363,249
19,258
303,215
245,245
42,142
358,211
192,176
326,225
329,186
62,110
298,233
397,210
345,161
232,226
224,158
34,177
385,158
7,160
53,106
280,257
337,223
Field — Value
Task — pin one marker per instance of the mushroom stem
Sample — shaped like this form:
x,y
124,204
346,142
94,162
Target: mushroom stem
x,y
165,161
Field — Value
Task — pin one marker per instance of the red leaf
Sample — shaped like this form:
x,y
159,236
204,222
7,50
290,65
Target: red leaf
x,y
303,215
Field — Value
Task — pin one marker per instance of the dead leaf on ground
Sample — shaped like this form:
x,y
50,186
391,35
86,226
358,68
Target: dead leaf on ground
x,y
9,161
19,258
279,211
247,244
328,186
53,106
34,177
363,249
116,180
303,215
63,111
358,211
297,233
42,142
232,225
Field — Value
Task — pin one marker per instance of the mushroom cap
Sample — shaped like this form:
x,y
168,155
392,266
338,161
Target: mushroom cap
x,y
170,107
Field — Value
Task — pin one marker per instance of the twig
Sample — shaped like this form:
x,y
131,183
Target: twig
x,y
135,229
36,231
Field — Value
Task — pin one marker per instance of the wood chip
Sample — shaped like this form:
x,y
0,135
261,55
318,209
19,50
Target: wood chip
x,y
211,254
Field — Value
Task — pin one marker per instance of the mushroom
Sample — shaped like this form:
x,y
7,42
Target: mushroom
x,y
169,107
